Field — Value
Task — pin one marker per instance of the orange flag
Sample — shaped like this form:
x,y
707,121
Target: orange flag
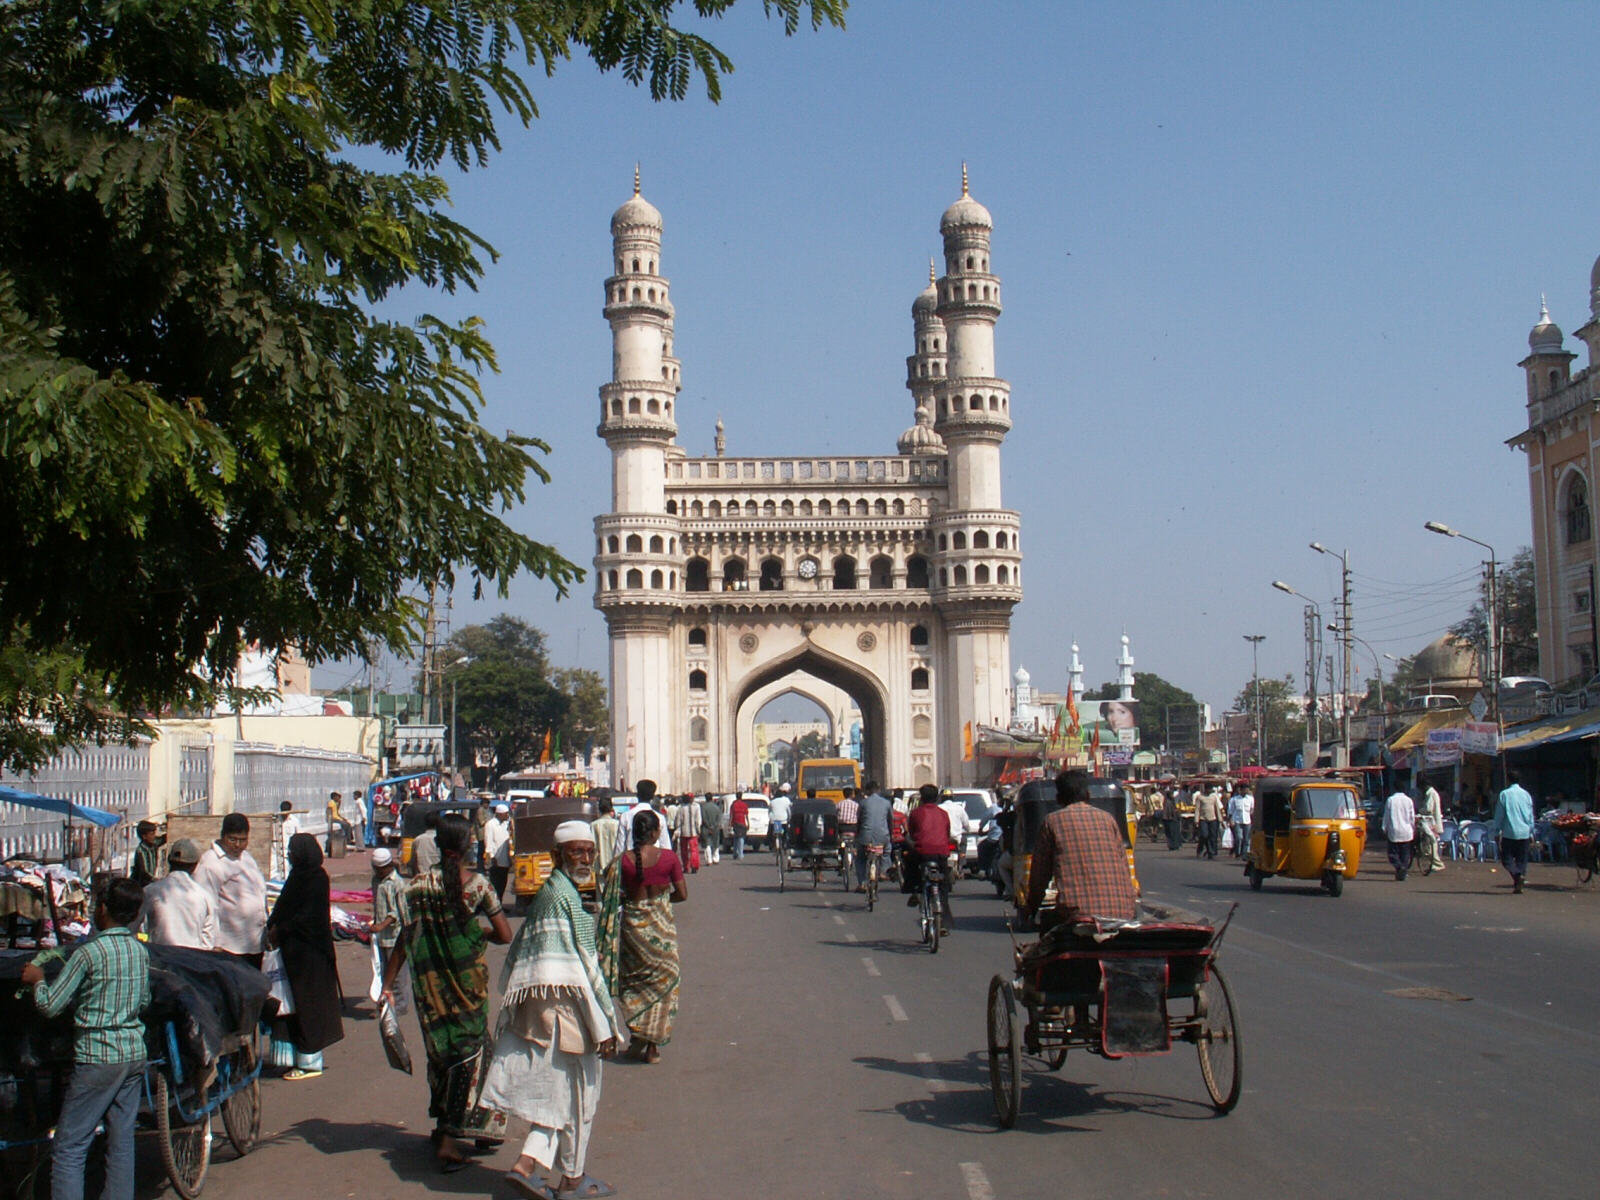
x,y
966,742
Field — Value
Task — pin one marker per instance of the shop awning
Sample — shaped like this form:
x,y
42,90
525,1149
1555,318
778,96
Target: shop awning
x,y
1417,735
1568,728
65,808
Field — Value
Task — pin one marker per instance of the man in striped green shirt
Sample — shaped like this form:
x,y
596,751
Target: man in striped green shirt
x,y
106,984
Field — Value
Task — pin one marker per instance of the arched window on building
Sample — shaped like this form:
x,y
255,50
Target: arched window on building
x,y
861,508
635,544
672,507
697,636
805,508
714,510
657,580
980,574
657,546
697,680
772,575
922,728
733,575
1579,525
899,508
919,635
961,577
980,540
916,572
787,508
824,508
1000,540
1002,576
697,578
958,540
919,679
844,572
613,546
880,572
943,543
611,581
880,508
699,730
769,509
636,578
750,508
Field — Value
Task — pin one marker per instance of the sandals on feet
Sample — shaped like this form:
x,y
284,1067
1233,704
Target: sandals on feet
x,y
528,1186
587,1188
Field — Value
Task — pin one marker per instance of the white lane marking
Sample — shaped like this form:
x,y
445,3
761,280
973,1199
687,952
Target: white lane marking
x,y
977,1182
872,967
826,903
929,1071
850,937
895,1011
837,919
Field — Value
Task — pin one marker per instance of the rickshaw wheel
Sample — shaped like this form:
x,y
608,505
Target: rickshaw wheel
x,y
1005,1052
1334,882
1056,1058
1256,879
1218,1042
185,1149
241,1112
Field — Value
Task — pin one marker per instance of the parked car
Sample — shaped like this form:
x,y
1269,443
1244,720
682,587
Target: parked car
x,y
758,833
981,807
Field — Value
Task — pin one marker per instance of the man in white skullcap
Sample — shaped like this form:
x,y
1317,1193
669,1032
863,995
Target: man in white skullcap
x,y
556,1024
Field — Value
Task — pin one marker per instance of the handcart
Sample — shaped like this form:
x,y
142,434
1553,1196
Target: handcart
x,y
203,1058
1116,989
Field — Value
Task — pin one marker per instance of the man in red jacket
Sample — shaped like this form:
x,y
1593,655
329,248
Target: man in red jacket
x,y
928,841
739,819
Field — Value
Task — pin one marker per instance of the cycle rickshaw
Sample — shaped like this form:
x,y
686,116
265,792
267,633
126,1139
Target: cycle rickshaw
x,y
1116,989
202,1041
811,843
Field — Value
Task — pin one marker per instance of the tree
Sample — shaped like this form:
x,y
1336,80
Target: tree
x,y
1283,715
207,437
1519,618
588,709
1154,695
812,745
499,674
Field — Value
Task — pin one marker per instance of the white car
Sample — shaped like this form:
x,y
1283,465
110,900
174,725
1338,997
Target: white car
x,y
981,806
758,832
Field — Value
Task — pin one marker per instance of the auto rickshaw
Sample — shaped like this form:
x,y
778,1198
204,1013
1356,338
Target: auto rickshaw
x,y
1306,828
1035,801
533,831
413,821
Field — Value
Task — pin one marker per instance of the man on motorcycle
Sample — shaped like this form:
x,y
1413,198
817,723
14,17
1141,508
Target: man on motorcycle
x,y
927,841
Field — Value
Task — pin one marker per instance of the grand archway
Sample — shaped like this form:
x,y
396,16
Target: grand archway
x,y
789,673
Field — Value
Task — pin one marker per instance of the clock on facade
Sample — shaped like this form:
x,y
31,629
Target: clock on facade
x,y
808,568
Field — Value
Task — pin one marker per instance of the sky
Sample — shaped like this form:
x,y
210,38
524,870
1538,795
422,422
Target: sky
x,y
1268,272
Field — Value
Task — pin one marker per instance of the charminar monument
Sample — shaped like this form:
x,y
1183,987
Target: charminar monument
x,y
729,581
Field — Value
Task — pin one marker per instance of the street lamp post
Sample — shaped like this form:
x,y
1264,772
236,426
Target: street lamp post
x,y
1493,648
1383,708
1255,640
1313,663
455,740
1345,635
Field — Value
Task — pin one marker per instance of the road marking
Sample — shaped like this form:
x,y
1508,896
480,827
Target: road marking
x,y
837,919
929,1071
850,937
895,1011
977,1182
872,967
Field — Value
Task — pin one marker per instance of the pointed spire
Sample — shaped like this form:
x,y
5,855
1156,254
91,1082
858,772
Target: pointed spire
x,y
1544,309
933,276
964,179
635,179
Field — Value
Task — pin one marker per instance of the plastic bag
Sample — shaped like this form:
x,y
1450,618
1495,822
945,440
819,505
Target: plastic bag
x,y
278,978
394,1042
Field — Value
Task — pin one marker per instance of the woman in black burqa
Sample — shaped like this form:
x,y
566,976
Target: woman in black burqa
x,y
300,927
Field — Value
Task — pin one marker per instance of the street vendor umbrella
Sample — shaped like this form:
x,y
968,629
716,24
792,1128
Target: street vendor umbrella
x,y
66,808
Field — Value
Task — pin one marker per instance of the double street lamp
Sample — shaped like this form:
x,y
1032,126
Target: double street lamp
x,y
1313,659
1255,640
1493,647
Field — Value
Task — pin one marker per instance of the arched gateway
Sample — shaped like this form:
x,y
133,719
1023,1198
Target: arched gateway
x,y
728,581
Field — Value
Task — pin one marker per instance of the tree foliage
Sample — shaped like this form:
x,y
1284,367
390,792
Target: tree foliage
x,y
1519,618
1155,695
588,716
499,677
1283,715
208,438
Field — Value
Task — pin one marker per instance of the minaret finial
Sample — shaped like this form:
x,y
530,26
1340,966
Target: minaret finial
x,y
1544,309
964,179
932,275
635,179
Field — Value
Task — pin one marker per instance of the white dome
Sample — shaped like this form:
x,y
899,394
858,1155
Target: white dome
x,y
965,213
1022,676
635,212
921,438
1546,335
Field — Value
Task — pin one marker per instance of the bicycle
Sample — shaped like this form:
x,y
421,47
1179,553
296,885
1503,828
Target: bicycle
x,y
874,857
847,863
930,909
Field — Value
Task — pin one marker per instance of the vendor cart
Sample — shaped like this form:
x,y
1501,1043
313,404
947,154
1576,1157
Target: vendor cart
x,y
203,1046
1582,834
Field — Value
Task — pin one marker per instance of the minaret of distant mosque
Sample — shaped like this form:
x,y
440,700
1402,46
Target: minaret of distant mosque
x,y
1125,672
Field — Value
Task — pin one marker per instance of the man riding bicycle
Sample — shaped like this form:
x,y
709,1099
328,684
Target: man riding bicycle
x,y
927,842
872,829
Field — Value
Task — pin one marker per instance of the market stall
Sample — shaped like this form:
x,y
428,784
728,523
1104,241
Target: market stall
x,y
40,902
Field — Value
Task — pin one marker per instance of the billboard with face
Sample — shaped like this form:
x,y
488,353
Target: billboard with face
x,y
1117,721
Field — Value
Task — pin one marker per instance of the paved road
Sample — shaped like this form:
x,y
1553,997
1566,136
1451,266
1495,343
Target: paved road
x,y
821,1053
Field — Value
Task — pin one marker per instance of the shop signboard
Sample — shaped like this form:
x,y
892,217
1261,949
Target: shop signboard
x,y
1444,747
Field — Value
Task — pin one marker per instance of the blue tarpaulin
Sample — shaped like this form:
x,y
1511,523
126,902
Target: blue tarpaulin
x,y
66,808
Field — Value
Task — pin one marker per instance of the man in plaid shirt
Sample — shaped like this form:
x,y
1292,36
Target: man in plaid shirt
x,y
1086,857
849,815
106,983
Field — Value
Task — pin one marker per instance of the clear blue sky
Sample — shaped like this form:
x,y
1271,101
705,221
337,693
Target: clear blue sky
x,y
1268,272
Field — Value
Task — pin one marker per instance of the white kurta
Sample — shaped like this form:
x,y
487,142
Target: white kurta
x,y
546,1070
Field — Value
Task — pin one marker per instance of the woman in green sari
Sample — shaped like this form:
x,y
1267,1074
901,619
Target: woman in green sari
x,y
444,942
651,882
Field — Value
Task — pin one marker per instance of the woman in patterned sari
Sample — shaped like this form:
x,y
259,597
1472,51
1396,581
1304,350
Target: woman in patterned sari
x,y
444,942
652,882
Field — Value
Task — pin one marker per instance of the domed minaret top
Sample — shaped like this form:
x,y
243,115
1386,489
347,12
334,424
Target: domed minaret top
x,y
1546,336
636,212
921,438
965,212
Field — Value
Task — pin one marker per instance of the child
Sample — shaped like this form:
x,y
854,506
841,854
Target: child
x,y
106,983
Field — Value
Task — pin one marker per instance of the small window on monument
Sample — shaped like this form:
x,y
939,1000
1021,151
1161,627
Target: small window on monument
x,y
697,681
919,679
697,636
919,634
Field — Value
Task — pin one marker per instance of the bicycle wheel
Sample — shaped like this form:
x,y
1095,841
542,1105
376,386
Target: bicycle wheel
x,y
781,857
241,1111
1218,1042
1005,1052
185,1149
846,861
872,883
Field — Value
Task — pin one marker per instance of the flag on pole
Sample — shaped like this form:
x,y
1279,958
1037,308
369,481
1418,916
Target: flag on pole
x,y
544,754
556,749
966,742
1072,710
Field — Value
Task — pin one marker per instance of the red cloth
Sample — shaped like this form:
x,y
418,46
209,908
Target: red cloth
x,y
694,853
928,828
739,814
1082,848
664,872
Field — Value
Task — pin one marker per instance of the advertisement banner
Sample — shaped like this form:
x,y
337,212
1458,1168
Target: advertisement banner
x,y
1480,737
1444,747
1117,721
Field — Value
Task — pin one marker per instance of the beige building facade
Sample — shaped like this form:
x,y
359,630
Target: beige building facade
x,y
1562,442
729,581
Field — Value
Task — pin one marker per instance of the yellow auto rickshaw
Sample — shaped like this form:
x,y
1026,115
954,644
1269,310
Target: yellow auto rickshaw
x,y
1035,801
1306,828
533,831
